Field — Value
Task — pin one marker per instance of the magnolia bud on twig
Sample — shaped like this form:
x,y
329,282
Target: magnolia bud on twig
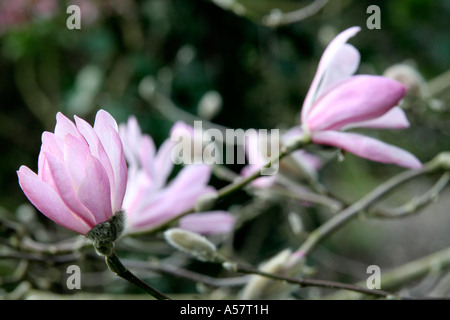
x,y
104,234
192,243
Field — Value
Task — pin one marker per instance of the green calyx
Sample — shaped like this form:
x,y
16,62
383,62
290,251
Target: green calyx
x,y
104,234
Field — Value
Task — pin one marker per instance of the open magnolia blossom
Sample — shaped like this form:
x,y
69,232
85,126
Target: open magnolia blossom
x,y
151,200
82,173
338,100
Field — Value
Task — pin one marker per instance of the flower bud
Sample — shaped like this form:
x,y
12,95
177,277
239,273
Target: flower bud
x,y
104,234
192,243
82,173
261,287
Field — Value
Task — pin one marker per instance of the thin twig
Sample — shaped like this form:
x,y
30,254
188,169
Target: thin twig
x,y
350,212
37,257
415,204
305,282
308,282
307,196
397,277
67,246
115,265
169,269
278,19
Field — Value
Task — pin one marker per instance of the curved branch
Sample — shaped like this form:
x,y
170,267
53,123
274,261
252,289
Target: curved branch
x,y
315,237
277,19
415,204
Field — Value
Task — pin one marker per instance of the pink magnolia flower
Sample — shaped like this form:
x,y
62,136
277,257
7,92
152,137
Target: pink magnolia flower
x,y
151,200
338,100
82,173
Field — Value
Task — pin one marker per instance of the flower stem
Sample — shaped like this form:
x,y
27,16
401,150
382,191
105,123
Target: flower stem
x,y
115,265
305,282
281,19
395,278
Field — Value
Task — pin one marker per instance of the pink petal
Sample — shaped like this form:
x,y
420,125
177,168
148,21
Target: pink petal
x,y
95,146
139,191
47,201
163,162
65,126
368,148
119,165
107,130
139,149
180,128
102,121
253,150
307,161
147,153
360,98
393,119
191,177
186,188
44,170
52,146
66,189
130,134
94,191
75,155
157,211
214,222
262,182
343,65
327,58
178,197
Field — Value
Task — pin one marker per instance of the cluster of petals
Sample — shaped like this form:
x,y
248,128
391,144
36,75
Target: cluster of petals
x,y
339,100
82,173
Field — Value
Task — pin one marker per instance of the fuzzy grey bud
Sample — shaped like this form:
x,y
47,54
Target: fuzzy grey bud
x,y
104,234
192,243
263,288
